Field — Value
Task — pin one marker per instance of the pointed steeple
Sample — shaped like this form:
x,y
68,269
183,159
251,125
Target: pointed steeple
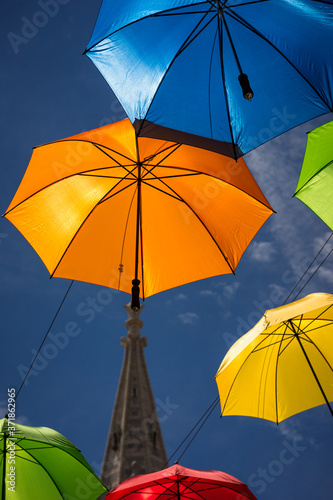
x,y
135,443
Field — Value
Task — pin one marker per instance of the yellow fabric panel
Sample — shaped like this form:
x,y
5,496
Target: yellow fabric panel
x,y
265,373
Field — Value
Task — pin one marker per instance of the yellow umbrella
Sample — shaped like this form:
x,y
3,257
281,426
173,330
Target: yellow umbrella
x,y
108,207
283,365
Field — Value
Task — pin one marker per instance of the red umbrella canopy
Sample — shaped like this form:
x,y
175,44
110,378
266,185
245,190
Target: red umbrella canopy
x,y
181,483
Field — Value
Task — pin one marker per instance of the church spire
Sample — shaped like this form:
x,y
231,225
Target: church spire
x,y
135,443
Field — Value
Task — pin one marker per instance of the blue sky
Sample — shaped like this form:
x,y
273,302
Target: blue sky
x,y
49,90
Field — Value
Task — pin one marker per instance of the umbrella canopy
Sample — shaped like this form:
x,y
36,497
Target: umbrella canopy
x,y
188,64
39,463
315,183
283,365
107,207
181,483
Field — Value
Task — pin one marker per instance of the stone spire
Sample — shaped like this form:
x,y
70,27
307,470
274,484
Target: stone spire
x,y
135,443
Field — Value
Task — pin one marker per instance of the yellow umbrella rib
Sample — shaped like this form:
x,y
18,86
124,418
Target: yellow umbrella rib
x,y
238,372
276,372
306,338
312,370
315,318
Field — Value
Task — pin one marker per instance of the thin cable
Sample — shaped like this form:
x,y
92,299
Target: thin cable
x,y
312,275
48,331
181,444
203,423
298,282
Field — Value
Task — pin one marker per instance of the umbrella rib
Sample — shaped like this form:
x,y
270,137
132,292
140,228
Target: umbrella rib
x,y
91,211
208,175
109,156
123,244
209,86
320,314
287,344
313,176
174,147
267,353
312,369
35,461
180,198
96,144
219,27
166,11
62,448
248,25
235,377
308,339
276,375
68,177
180,50
160,151
175,197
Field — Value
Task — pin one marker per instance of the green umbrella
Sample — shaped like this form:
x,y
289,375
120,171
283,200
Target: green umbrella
x,y
37,463
315,183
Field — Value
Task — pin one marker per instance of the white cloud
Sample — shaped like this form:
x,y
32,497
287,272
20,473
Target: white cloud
x,y
326,274
188,318
262,251
181,296
230,290
208,293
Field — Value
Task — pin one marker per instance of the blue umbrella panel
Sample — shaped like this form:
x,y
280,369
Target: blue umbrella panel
x,y
235,71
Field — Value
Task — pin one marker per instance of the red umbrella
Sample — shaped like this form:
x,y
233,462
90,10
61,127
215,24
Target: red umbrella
x,y
180,483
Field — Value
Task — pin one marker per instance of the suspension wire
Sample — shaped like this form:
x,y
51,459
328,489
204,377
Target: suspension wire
x,y
203,423
329,253
48,331
298,282
214,403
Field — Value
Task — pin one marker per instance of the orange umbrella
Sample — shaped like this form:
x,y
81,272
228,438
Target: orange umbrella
x,y
106,206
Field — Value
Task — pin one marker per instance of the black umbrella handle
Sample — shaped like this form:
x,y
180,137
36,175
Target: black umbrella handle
x,y
135,303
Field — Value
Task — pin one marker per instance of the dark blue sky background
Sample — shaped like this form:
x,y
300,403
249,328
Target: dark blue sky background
x,y
48,91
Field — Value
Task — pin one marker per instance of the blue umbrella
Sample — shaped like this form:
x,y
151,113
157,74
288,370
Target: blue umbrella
x,y
236,71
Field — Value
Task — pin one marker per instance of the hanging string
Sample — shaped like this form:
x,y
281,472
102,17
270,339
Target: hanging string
x,y
305,272
312,275
210,410
45,337
203,423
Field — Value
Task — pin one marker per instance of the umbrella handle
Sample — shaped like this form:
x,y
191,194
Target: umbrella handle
x,y
135,303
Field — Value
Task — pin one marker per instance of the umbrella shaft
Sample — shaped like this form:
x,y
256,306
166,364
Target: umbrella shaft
x,y
138,218
314,374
